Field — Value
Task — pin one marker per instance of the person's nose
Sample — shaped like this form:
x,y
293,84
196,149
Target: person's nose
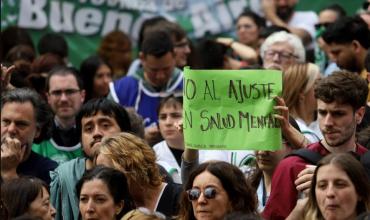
x,y
328,120
330,191
202,199
90,206
97,132
11,129
276,57
63,96
107,79
187,49
52,210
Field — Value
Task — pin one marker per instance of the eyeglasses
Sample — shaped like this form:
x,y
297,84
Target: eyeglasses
x,y
67,92
194,194
283,55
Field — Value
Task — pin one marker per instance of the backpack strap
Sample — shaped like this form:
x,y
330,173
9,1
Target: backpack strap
x,y
309,156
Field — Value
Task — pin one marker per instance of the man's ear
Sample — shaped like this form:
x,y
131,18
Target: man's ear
x,y
356,45
83,95
359,114
38,132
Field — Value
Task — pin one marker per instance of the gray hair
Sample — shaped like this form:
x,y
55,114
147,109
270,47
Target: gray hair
x,y
291,39
43,114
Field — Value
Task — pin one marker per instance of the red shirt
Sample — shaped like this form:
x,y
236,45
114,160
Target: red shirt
x,y
284,194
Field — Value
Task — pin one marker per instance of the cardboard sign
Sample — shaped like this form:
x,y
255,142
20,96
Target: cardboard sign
x,y
231,109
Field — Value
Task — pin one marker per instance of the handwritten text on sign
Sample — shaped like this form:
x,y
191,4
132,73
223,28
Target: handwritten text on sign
x,y
231,109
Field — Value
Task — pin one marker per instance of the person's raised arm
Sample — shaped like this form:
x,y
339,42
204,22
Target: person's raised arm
x,y
245,52
269,9
6,73
293,136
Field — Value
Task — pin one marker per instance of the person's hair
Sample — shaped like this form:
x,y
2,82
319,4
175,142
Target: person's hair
x,y
241,195
106,107
258,20
267,31
355,172
136,121
46,62
111,43
173,29
53,43
42,111
363,137
297,79
210,55
337,8
157,43
355,28
13,36
343,87
148,25
88,69
116,183
291,39
367,61
133,156
143,213
364,216
39,70
172,100
20,52
19,193
63,71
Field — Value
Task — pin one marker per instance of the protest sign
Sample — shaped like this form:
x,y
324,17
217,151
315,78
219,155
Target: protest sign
x,y
231,109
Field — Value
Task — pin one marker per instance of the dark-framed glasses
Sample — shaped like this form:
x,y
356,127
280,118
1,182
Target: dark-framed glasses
x,y
67,92
194,193
283,55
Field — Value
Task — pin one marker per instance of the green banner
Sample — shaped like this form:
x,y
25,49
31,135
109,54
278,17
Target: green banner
x,y
231,109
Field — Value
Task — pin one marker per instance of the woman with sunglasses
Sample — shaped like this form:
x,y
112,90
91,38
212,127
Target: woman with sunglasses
x,y
215,189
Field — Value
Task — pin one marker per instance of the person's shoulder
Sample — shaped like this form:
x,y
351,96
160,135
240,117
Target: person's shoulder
x,y
41,161
70,165
159,145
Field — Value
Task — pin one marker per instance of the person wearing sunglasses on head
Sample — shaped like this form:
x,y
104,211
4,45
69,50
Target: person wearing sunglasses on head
x,y
215,189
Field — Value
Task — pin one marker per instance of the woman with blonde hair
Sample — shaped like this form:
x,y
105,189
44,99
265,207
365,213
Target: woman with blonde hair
x,y
298,93
132,156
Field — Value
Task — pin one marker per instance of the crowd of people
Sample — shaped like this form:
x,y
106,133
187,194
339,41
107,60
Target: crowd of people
x,y
104,140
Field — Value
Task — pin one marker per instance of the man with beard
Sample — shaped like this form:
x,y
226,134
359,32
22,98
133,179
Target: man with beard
x,y
65,96
348,40
97,119
281,13
341,107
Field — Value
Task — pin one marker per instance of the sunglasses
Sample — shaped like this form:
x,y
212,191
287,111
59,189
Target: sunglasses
x,y
194,194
